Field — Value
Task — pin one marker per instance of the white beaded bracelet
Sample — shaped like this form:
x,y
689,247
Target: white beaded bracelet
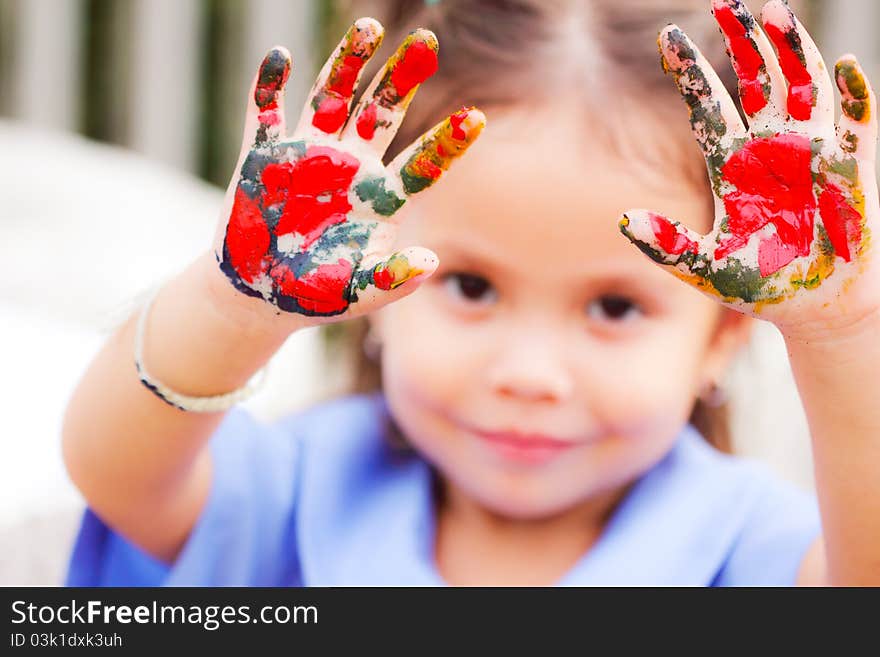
x,y
212,404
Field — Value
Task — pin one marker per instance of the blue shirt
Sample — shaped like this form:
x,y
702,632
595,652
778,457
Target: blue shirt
x,y
322,499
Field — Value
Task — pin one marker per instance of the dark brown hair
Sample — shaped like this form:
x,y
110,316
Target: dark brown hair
x,y
500,53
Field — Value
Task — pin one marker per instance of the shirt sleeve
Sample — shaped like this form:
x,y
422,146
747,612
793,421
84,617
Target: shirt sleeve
x,y
782,524
244,535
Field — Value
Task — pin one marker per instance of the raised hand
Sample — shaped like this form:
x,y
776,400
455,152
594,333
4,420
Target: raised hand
x,y
795,199
312,215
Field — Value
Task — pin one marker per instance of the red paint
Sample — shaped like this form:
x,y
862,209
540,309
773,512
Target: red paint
x,y
247,237
425,168
456,120
747,61
366,122
270,116
773,255
321,291
331,114
313,193
800,83
842,222
383,279
418,63
773,185
315,190
345,76
668,237
336,96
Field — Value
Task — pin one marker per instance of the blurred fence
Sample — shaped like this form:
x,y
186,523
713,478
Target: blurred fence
x,y
167,78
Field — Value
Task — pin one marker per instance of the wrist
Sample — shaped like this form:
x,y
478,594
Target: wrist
x,y
248,315
834,332
201,340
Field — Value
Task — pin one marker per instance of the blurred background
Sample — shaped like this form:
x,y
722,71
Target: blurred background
x,y
120,123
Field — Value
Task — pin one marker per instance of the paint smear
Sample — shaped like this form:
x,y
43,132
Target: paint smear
x,y
331,103
247,237
668,237
801,97
747,60
419,62
315,189
366,122
446,142
842,222
321,291
773,185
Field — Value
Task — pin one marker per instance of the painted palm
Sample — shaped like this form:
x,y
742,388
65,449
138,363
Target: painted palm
x,y
312,215
795,195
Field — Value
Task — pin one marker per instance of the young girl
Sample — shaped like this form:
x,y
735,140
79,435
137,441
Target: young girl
x,y
542,378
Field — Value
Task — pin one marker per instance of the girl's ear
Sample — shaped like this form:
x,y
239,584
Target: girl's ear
x,y
732,332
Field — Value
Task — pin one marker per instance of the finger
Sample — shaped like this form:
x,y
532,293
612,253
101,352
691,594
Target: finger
x,y
810,95
421,164
761,84
682,252
380,282
265,116
857,127
329,102
384,103
714,118
664,241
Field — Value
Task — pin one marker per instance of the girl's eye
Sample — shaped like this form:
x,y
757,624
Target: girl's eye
x,y
613,307
470,287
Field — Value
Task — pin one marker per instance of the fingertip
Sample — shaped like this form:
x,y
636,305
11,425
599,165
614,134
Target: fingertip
x,y
427,37
411,266
777,13
414,62
631,224
855,91
675,48
850,77
273,74
467,124
367,35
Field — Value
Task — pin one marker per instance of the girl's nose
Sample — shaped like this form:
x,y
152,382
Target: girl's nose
x,y
531,369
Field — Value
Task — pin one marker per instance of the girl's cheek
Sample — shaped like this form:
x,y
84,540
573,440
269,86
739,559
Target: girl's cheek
x,y
427,355
639,387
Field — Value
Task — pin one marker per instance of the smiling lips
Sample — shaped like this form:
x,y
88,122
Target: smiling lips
x,y
525,448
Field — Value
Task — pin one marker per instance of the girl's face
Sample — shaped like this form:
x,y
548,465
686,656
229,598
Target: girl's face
x,y
547,360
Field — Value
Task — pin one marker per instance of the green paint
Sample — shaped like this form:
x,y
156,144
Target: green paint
x,y
298,147
847,168
705,113
385,202
413,183
738,281
824,242
850,142
852,80
857,110
360,280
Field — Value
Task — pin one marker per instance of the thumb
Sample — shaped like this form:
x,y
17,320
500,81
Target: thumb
x,y
384,281
664,241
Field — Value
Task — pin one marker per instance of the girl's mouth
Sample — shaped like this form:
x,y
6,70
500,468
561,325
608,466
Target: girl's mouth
x,y
525,447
